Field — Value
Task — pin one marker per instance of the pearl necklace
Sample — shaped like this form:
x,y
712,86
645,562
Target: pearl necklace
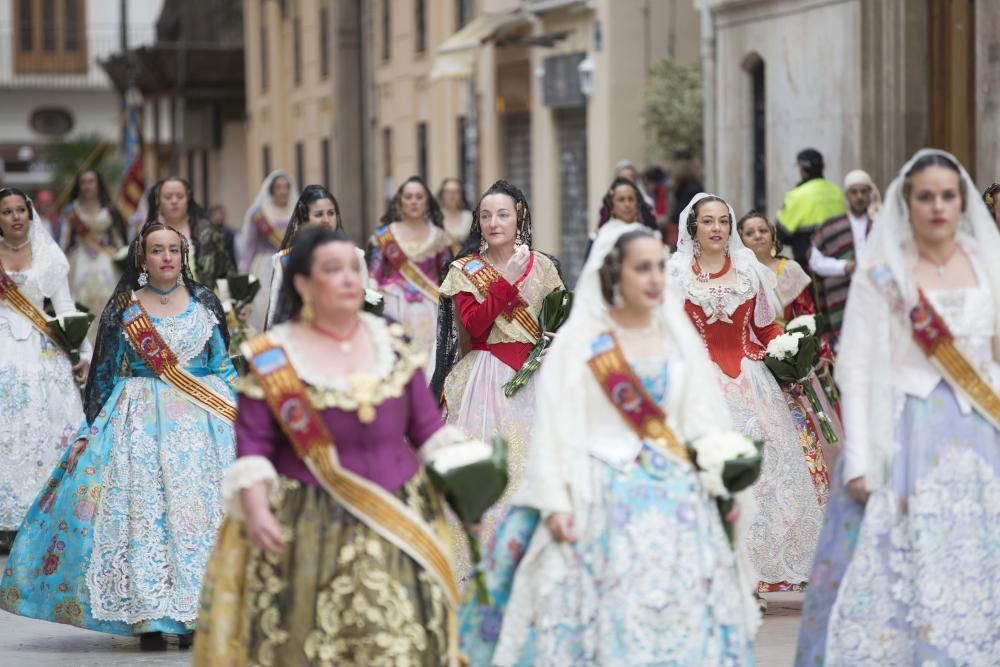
x,y
16,248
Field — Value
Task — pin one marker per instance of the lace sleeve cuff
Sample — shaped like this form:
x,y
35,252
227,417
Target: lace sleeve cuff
x,y
444,437
247,471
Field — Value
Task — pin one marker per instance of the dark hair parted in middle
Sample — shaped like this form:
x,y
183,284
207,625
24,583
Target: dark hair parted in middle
x,y
692,221
394,212
300,214
610,272
644,213
933,160
300,262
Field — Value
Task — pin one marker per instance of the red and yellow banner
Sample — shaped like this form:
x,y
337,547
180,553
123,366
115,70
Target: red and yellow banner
x,y
483,275
151,347
630,398
934,338
407,268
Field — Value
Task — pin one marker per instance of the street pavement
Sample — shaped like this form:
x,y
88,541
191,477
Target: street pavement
x,y
30,643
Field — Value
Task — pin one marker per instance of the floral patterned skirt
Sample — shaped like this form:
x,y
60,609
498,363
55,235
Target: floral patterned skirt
x,y
919,586
651,580
338,594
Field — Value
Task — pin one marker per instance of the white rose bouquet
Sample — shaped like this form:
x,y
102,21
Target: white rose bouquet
x,y
727,464
791,358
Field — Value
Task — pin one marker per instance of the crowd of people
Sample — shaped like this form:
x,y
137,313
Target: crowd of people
x,y
277,504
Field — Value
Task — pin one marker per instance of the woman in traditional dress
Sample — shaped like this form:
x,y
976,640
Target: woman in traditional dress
x,y
624,202
264,228
730,297
40,408
990,196
118,539
905,573
170,202
91,230
455,211
300,575
795,298
407,256
315,206
630,564
491,298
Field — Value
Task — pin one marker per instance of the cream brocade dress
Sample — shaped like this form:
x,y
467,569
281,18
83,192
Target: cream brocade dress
x,y
476,402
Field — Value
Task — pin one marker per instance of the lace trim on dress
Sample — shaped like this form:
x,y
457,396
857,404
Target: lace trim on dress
x,y
396,360
719,302
435,242
187,334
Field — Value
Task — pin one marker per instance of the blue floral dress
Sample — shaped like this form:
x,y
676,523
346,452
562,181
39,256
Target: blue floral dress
x,y
120,543
650,580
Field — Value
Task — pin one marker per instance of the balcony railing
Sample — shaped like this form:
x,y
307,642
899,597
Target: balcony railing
x,y
63,69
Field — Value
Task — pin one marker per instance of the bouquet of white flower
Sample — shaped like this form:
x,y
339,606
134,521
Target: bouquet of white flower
x,y
70,329
727,464
472,476
374,302
791,357
235,293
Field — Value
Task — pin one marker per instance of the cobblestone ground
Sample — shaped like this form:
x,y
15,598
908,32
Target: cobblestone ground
x,y
29,643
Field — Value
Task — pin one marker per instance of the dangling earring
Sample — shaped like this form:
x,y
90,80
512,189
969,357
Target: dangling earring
x,y
483,246
697,248
774,249
180,278
727,250
616,297
306,313
143,278
518,238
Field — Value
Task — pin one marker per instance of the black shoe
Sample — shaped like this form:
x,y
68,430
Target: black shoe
x,y
152,641
6,541
185,641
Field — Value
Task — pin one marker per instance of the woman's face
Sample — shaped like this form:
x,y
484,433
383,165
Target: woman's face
x,y
15,218
756,235
498,220
323,212
714,226
624,205
281,188
643,273
451,195
163,255
414,201
935,204
173,202
334,285
88,185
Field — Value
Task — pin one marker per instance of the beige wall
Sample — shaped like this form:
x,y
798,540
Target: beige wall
x,y
816,62
987,168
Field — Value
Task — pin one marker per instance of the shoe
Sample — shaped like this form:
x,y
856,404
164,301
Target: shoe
x,y
152,641
761,602
185,641
6,541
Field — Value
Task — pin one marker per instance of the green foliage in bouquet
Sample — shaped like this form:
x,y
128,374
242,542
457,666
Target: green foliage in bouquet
x,y
70,330
471,487
798,366
738,474
374,302
552,315
236,292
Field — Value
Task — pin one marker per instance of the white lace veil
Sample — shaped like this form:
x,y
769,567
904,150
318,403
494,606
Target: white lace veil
x,y
248,233
46,255
864,366
743,259
565,374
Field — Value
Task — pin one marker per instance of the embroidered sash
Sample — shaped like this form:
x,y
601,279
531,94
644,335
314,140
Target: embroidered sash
x,y
286,396
394,254
483,275
150,346
266,229
84,233
935,340
630,398
12,295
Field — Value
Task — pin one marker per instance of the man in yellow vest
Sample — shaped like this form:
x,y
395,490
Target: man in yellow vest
x,y
808,205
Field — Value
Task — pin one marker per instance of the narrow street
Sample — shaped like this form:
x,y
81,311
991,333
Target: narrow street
x,y
30,643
